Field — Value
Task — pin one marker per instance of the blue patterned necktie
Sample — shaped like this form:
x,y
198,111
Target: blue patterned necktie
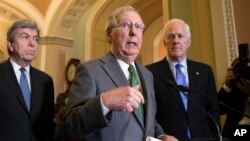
x,y
133,82
25,88
181,80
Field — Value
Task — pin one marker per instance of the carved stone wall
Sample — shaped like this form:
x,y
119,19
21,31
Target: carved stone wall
x,y
230,30
74,13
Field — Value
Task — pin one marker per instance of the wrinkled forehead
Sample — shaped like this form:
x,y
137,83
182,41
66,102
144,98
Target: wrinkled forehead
x,y
28,31
129,16
176,28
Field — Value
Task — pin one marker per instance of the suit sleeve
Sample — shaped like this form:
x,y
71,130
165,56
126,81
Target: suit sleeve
x,y
213,106
223,96
158,131
84,113
50,94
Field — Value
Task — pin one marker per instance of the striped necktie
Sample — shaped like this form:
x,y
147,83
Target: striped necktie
x,y
25,88
181,80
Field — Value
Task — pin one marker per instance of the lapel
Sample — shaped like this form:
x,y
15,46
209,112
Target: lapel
x,y
144,91
114,71
11,80
166,74
193,74
36,97
148,89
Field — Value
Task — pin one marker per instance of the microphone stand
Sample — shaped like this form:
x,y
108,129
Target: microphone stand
x,y
185,89
219,138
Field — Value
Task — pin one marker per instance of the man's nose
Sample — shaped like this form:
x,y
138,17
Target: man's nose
x,y
132,30
32,41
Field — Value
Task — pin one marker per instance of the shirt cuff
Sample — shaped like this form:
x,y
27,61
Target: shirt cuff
x,y
105,110
226,88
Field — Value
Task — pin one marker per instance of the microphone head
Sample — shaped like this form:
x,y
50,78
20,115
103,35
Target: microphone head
x,y
183,88
170,83
179,87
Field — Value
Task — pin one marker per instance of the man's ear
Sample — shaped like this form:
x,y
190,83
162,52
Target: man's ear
x,y
164,43
10,46
189,43
108,37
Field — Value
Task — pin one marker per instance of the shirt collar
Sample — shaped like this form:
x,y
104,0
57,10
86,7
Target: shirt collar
x,y
124,67
17,67
173,63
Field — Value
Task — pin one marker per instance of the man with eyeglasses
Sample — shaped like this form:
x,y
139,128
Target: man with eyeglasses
x,y
112,98
184,115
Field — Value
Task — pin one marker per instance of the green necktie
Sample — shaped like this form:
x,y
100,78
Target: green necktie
x,y
133,82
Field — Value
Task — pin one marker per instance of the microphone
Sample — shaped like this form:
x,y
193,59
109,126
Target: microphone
x,y
185,90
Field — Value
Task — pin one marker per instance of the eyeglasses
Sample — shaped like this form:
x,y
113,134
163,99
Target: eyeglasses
x,y
171,36
127,25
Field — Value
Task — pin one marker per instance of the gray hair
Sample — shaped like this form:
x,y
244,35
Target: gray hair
x,y
187,28
22,23
112,21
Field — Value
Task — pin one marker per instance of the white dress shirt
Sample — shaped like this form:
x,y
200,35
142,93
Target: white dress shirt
x,y
18,72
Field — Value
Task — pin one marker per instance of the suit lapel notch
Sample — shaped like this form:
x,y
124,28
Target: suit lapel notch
x,y
114,71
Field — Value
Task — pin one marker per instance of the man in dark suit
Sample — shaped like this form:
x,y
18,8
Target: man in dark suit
x,y
102,106
181,116
25,117
235,92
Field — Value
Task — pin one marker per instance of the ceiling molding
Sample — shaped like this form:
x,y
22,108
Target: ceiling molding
x,y
56,40
12,10
8,13
62,17
74,13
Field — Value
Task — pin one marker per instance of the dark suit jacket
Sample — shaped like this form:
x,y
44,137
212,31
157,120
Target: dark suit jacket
x,y
84,116
171,113
16,123
236,100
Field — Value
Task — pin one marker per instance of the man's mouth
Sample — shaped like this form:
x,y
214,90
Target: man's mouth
x,y
132,43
